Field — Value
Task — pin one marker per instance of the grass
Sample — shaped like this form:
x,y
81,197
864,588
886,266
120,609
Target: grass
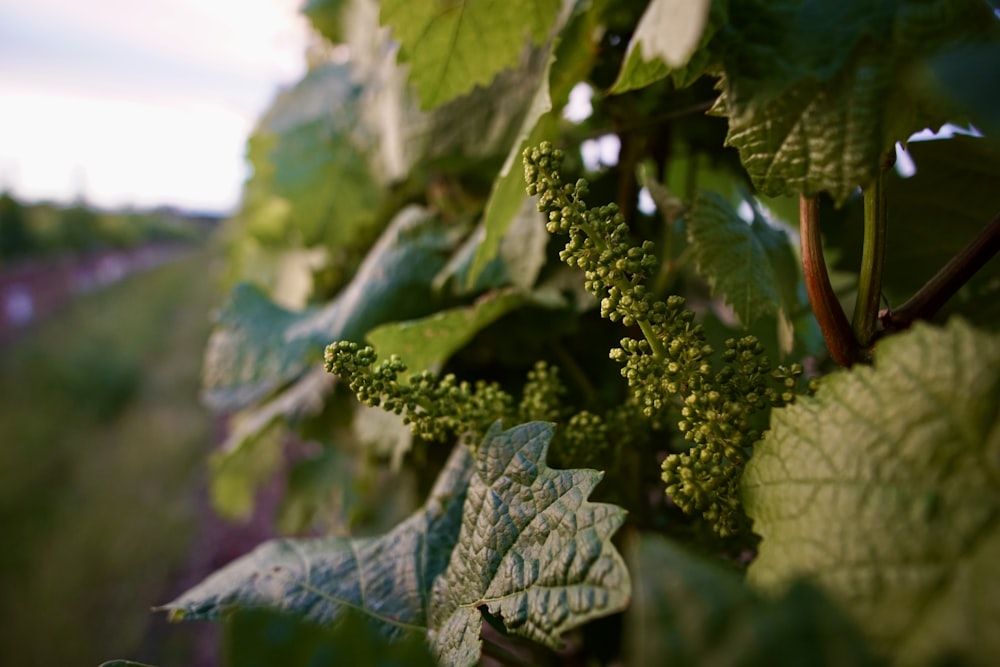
x,y
102,444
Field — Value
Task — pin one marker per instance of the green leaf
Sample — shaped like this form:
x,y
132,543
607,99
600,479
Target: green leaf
x,y
883,488
509,208
686,611
453,45
750,265
427,343
815,137
518,539
308,139
262,638
664,41
325,15
813,110
532,550
258,347
386,578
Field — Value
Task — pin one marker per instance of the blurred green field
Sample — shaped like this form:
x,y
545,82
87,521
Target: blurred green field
x,y
102,446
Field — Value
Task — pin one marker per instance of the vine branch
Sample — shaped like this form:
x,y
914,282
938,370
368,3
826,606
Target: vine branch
x,y
959,269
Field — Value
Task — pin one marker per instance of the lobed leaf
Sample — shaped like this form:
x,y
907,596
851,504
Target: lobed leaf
x,y
386,578
687,611
883,488
816,110
532,550
456,44
750,265
502,532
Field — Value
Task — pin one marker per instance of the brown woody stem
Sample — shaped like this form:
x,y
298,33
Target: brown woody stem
x,y
832,321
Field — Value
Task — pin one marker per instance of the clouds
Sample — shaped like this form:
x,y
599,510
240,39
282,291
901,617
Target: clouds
x,y
142,103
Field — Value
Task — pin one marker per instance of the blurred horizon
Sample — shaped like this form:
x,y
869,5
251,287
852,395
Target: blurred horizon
x,y
139,105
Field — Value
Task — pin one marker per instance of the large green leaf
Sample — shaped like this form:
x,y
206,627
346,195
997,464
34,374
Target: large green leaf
x,y
258,347
686,611
812,109
425,344
456,44
883,488
386,578
750,265
518,540
532,550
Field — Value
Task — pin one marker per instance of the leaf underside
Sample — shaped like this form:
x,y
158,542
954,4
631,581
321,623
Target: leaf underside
x,y
750,265
456,44
501,531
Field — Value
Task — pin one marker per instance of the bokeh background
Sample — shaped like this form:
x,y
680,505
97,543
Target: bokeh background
x,y
123,130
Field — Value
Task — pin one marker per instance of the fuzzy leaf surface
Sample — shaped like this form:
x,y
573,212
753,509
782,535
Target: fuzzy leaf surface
x,y
687,611
386,578
815,110
883,488
456,44
258,347
751,265
532,551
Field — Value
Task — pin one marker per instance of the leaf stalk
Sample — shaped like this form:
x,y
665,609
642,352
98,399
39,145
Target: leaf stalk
x,y
832,321
866,307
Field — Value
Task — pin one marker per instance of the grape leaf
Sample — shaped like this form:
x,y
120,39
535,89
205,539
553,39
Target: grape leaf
x,y
325,15
258,347
813,110
387,578
425,344
883,487
308,140
452,45
501,531
668,35
686,611
532,549
568,61
751,265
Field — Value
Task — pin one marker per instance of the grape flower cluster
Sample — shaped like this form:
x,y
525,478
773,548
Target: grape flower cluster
x,y
670,370
670,367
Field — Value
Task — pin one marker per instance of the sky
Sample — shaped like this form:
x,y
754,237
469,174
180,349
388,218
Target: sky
x,y
139,103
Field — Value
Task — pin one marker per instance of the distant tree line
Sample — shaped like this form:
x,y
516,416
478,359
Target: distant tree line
x,y
29,230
